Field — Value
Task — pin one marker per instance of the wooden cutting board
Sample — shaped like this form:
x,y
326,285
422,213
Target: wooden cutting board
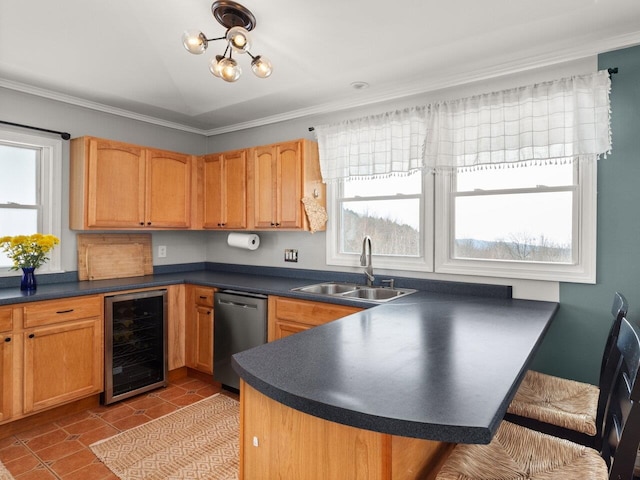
x,y
103,256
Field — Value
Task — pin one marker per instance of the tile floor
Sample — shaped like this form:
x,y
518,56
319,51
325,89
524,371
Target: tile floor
x,y
60,450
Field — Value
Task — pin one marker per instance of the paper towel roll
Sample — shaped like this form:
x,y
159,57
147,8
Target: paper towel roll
x,y
247,241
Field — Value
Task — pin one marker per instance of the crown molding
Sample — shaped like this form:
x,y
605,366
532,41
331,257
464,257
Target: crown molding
x,y
100,107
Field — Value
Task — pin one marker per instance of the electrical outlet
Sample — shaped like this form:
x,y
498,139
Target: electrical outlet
x,y
162,251
291,255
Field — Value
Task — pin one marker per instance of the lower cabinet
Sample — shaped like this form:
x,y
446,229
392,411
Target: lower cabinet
x,y
62,363
199,328
6,362
288,316
52,355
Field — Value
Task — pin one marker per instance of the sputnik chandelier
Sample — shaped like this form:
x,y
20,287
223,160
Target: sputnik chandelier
x,y
238,21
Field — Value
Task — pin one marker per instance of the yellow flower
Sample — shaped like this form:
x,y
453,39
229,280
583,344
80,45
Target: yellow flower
x,y
28,250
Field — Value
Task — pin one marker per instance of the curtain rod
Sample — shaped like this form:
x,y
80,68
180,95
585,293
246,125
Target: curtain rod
x,y
64,135
611,71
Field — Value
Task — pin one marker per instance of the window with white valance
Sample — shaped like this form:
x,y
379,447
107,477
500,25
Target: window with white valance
x,y
474,216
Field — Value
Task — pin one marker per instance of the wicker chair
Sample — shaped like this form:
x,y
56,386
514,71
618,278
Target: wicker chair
x,y
566,408
520,453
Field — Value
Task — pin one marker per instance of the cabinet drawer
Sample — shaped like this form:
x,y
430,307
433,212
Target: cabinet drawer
x,y
203,296
6,319
310,313
65,309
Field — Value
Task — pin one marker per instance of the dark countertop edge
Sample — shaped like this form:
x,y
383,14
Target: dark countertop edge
x,y
280,281
456,433
353,418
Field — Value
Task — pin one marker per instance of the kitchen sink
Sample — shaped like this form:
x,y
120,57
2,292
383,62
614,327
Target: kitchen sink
x,y
352,290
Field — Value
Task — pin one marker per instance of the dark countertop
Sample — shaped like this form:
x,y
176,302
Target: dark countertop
x,y
441,364
439,367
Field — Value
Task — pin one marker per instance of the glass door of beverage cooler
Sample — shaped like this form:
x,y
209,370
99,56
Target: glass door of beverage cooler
x,y
135,344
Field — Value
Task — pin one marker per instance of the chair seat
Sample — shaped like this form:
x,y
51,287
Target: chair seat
x,y
517,453
558,401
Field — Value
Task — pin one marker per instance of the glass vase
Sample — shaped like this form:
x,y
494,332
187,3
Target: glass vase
x,y
28,281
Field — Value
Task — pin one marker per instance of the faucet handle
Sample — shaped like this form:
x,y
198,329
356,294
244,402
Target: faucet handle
x,y
390,281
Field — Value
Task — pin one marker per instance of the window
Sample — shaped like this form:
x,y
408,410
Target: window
x,y
515,181
394,211
30,190
535,222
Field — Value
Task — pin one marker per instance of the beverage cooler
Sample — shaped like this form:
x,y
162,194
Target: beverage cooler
x,y
135,344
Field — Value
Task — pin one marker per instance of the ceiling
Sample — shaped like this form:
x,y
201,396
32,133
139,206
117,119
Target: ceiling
x,y
126,56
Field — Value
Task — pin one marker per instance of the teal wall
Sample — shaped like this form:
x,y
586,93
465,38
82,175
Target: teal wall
x,y
573,347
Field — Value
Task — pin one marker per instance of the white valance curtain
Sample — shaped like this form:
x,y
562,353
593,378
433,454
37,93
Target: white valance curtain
x,y
558,121
380,145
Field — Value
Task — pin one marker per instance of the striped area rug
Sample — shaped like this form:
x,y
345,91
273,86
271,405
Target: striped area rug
x,y
4,473
200,441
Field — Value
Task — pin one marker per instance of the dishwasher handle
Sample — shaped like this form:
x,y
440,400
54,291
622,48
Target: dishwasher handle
x,y
236,304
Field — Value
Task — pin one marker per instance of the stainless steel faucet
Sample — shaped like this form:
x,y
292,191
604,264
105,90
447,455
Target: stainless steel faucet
x,y
365,260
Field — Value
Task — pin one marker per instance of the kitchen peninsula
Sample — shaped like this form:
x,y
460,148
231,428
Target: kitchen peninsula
x,y
382,393
385,393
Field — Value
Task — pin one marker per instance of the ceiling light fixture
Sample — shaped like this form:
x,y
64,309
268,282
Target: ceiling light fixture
x,y
238,21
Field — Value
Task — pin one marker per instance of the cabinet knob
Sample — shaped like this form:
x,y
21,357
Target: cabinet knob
x,y
32,335
148,223
141,223
8,339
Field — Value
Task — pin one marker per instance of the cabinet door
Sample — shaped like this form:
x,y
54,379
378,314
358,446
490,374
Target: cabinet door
x,y
168,190
63,362
199,329
116,185
6,378
265,191
289,185
225,190
287,316
203,355
282,329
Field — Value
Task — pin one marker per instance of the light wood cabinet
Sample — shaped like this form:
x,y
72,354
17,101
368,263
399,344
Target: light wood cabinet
x,y
53,354
223,202
199,335
115,185
288,444
287,316
282,175
6,362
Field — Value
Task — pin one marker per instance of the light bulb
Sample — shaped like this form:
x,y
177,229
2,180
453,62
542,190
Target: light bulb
x,y
261,66
214,66
239,39
229,70
194,41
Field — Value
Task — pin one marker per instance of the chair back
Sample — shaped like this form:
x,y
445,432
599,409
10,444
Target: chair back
x,y
619,309
621,435
610,360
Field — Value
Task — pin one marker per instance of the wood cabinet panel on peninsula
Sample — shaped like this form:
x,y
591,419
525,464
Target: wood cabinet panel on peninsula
x,y
287,316
56,351
115,185
290,444
283,174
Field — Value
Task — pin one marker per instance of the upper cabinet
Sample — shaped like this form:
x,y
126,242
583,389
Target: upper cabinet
x,y
223,202
283,174
114,185
120,186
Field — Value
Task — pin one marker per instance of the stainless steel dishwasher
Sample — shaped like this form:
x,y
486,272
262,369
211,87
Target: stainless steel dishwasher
x,y
240,323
